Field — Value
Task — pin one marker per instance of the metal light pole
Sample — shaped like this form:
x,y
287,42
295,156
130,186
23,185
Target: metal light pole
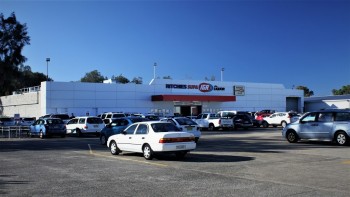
x,y
47,68
222,74
154,70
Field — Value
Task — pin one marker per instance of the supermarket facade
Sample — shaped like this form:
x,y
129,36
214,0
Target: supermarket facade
x,y
161,96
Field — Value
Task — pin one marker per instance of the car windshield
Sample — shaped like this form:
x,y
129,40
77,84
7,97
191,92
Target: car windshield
x,y
185,121
6,119
164,127
54,121
62,116
28,119
133,120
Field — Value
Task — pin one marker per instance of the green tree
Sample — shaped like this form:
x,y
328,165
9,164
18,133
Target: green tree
x,y
307,92
137,80
13,37
121,79
93,77
342,91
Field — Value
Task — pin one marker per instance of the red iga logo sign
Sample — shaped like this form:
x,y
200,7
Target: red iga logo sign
x,y
205,87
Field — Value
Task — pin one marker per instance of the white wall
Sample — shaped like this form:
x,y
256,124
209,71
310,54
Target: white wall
x,y
95,98
26,104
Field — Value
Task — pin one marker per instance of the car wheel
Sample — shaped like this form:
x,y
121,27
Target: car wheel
x,y
265,124
341,138
114,148
211,127
147,152
78,132
283,124
180,154
41,135
103,139
292,137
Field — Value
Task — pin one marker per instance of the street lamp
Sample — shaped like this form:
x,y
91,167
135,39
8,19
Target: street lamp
x,y
222,74
47,68
154,70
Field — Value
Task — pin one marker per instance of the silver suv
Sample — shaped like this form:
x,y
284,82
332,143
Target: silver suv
x,y
330,125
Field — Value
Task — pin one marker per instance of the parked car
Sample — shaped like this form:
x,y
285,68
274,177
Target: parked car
x,y
116,126
260,118
185,124
278,119
47,127
213,121
331,125
6,121
265,111
115,115
85,125
150,138
27,121
242,121
152,117
64,117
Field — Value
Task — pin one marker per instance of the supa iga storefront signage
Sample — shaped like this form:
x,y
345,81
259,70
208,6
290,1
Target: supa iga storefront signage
x,y
203,87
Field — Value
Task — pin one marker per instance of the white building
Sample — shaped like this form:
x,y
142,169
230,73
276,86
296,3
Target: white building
x,y
165,96
327,102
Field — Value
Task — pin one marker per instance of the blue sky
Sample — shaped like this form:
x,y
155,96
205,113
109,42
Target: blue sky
x,y
291,42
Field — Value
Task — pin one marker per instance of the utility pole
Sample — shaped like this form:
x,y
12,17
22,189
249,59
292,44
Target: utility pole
x,y
154,70
222,74
47,68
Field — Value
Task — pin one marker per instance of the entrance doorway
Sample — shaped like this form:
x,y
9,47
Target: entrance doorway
x,y
186,110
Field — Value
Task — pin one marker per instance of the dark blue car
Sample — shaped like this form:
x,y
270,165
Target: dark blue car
x,y
116,126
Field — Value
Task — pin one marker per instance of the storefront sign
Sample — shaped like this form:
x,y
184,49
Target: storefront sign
x,y
239,90
203,87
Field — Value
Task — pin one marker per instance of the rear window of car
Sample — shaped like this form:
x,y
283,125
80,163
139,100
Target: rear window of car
x,y
62,116
342,116
95,121
54,121
164,127
28,119
6,119
118,115
185,121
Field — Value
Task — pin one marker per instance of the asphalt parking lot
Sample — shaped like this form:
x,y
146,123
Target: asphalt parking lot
x,y
257,162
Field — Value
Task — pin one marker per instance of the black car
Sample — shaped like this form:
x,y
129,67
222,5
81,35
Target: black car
x,y
242,121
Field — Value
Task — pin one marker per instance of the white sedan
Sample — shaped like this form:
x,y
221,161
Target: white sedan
x,y
152,137
185,124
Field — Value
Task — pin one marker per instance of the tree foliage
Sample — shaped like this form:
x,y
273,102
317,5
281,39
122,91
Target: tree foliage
x,y
121,79
13,37
342,91
307,92
93,77
137,80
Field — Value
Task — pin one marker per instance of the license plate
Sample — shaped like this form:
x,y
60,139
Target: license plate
x,y
180,147
95,126
189,128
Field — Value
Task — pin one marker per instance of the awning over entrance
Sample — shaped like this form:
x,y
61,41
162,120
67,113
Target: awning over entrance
x,y
171,97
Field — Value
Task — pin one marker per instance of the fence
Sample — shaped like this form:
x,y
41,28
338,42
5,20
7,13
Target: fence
x,y
14,131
